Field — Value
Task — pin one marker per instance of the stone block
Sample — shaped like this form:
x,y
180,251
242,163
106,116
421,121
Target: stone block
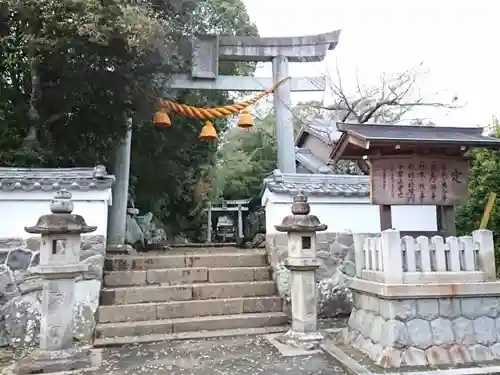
x,y
437,356
427,309
464,331
394,334
211,323
124,278
126,313
495,350
490,306
189,309
484,328
177,276
124,296
471,307
351,323
262,304
377,326
345,239
398,309
233,290
220,275
262,273
366,347
359,319
459,354
442,332
480,353
390,357
449,308
139,328
419,333
124,263
366,324
219,260
414,357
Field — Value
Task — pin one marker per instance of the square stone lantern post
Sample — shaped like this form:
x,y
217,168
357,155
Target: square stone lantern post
x,y
59,267
301,228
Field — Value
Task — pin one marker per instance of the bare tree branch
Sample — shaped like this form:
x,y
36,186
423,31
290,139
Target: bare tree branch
x,y
388,103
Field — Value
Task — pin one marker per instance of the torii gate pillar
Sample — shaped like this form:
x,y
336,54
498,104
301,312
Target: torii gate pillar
x,y
206,52
284,119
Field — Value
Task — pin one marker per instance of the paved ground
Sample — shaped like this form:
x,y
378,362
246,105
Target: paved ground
x,y
251,355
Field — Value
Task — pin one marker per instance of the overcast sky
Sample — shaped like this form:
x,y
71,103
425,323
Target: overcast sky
x,y
458,42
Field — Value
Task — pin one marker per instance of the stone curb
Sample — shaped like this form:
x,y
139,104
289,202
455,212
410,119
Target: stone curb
x,y
354,367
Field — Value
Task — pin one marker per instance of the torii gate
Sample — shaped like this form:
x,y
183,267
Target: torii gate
x,y
206,52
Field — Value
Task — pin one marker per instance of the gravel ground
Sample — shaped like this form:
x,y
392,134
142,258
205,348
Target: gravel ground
x,y
243,355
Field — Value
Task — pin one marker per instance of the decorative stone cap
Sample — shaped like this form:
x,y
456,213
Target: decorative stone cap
x,y
301,220
61,220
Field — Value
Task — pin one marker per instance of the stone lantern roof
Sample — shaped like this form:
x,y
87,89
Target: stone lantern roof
x,y
301,220
61,220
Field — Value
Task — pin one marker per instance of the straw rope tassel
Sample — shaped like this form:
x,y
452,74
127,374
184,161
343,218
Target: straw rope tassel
x,y
219,112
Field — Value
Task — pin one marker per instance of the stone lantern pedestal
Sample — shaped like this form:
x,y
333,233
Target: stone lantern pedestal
x,y
59,267
301,228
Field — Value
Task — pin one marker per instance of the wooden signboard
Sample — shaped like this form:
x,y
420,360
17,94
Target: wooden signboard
x,y
419,180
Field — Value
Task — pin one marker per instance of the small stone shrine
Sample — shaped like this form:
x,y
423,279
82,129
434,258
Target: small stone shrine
x,y
420,299
301,228
59,270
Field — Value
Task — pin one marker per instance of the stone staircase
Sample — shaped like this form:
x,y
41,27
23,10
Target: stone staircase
x,y
184,291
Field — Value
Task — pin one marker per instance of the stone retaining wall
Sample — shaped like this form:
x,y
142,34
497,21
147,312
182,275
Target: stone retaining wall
x,y
333,250
413,332
20,291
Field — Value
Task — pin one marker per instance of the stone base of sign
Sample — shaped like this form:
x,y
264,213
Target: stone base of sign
x,y
46,362
425,331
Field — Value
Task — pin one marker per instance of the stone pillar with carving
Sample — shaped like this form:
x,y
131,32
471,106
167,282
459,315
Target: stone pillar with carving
x,y
59,267
301,228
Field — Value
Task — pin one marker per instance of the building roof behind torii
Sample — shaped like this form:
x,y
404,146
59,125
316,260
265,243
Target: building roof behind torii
x,y
318,184
49,179
324,129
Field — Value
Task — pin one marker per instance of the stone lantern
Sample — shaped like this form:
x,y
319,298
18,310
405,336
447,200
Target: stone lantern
x,y
58,268
301,228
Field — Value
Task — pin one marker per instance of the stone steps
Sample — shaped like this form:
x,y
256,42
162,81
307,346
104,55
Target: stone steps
x,y
187,309
176,276
196,335
189,259
185,291
204,323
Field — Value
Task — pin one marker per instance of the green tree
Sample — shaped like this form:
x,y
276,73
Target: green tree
x,y
245,158
72,71
484,180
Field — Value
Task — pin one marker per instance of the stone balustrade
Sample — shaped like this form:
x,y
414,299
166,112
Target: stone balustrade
x,y
395,260
425,301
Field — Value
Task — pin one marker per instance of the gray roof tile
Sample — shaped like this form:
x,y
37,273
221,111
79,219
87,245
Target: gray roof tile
x,y
48,179
319,184
441,134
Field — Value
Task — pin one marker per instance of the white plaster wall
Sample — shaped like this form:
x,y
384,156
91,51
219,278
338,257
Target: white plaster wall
x,y
355,214
20,209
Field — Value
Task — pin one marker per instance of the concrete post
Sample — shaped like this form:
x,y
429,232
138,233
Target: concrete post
x,y
240,222
209,223
301,228
58,270
284,127
117,217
